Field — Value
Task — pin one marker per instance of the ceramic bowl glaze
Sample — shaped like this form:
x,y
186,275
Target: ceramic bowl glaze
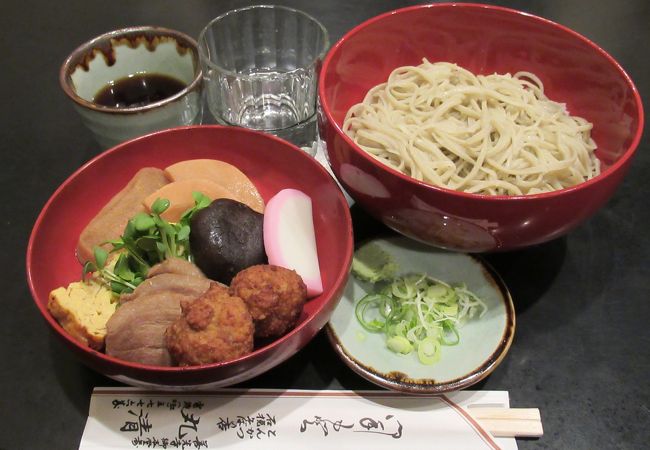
x,y
128,52
483,39
271,163
484,341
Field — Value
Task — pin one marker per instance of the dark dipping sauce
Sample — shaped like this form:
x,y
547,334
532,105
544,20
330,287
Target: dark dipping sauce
x,y
138,90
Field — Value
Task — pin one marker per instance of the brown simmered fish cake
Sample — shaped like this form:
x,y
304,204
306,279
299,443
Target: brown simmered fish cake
x,y
213,328
109,223
274,295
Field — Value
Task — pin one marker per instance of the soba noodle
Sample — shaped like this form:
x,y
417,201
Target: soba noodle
x,y
494,134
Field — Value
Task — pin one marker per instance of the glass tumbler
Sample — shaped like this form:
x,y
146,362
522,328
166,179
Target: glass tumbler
x,y
261,66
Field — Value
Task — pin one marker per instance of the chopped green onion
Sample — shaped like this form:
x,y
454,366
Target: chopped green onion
x,y
429,350
399,344
418,312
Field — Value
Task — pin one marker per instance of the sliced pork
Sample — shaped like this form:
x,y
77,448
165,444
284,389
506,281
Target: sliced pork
x,y
136,332
187,285
175,265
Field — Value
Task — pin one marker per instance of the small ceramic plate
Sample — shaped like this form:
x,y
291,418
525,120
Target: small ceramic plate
x,y
483,344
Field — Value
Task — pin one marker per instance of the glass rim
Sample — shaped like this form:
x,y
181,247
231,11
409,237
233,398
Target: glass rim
x,y
204,58
223,121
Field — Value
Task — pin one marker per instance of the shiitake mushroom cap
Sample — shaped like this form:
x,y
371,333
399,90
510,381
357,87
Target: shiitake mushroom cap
x,y
226,237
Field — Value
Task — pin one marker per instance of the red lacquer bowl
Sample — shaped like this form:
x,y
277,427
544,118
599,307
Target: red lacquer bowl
x,y
271,163
483,39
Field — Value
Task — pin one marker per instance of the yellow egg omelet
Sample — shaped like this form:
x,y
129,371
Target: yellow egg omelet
x,y
82,309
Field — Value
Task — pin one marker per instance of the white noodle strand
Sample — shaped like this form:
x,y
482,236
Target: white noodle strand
x,y
493,134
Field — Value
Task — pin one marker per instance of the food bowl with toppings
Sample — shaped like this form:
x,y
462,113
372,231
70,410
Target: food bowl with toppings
x,y
194,257
476,128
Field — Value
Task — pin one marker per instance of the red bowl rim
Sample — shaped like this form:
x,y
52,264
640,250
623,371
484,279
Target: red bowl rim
x,y
491,198
339,280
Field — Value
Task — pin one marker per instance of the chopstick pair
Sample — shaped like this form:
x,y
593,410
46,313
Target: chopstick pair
x,y
509,422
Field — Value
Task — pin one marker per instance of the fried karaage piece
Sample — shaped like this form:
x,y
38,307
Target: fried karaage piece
x,y
213,328
274,295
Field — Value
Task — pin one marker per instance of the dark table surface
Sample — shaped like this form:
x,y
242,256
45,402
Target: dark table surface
x,y
582,347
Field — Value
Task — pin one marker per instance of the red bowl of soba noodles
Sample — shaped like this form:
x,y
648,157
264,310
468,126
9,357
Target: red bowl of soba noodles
x,y
476,128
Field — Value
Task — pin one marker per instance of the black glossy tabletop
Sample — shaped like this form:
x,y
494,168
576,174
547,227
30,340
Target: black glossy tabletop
x,y
581,352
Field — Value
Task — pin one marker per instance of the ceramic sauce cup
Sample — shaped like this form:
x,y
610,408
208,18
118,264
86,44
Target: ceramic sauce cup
x,y
130,82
